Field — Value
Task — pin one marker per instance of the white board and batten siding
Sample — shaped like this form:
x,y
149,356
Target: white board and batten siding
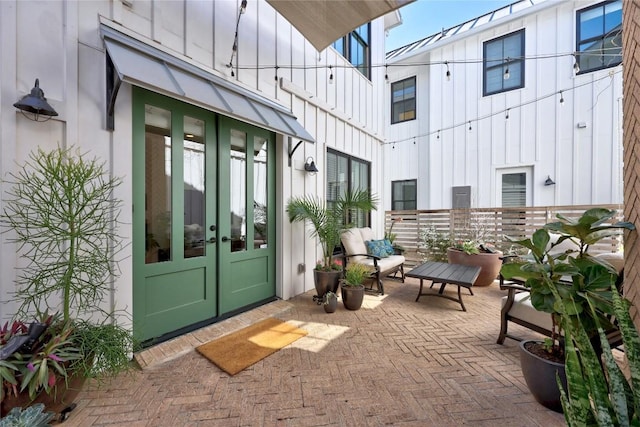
x,y
66,53
577,144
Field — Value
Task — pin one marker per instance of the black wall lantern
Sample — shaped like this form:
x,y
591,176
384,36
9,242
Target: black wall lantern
x,y
310,166
36,104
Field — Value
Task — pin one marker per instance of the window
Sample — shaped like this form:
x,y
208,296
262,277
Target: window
x,y
503,63
599,36
403,195
355,48
514,189
347,173
403,100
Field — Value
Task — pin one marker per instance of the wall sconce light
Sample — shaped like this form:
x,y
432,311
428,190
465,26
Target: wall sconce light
x,y
549,181
36,104
310,165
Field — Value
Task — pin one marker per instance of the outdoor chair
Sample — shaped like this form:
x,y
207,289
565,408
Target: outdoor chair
x,y
359,245
517,307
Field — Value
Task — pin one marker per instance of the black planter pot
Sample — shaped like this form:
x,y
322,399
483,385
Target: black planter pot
x,y
540,375
324,282
352,296
331,303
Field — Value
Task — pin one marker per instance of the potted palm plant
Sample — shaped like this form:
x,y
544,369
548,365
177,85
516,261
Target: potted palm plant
x,y
328,221
352,288
63,219
568,283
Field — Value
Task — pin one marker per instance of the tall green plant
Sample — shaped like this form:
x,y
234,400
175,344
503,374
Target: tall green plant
x,y
598,391
329,219
575,275
62,214
61,211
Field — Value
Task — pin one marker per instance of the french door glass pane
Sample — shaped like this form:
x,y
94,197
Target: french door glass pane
x,y
238,190
260,185
158,211
194,201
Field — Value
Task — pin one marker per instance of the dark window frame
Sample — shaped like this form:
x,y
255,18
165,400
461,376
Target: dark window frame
x,y
393,194
594,39
343,46
506,63
350,159
404,100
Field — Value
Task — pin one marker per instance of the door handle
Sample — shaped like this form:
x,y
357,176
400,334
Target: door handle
x,y
212,240
225,239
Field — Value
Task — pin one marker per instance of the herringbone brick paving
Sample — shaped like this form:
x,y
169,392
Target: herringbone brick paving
x,y
393,362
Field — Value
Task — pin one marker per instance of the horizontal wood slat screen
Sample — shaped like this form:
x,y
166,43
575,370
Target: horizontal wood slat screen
x,y
490,225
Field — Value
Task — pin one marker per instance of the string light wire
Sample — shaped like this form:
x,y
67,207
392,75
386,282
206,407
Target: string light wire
x,y
610,75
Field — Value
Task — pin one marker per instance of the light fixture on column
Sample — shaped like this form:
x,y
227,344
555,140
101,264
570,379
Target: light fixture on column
x,y
310,166
36,104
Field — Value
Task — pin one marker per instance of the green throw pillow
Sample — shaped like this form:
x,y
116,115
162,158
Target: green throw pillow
x,y
377,248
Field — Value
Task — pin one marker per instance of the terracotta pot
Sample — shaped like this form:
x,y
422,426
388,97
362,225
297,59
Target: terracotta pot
x,y
490,264
352,296
540,376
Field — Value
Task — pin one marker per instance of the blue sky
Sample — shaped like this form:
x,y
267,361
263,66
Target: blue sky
x,y
425,17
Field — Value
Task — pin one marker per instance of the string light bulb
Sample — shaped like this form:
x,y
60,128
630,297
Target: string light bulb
x,y
448,73
243,7
330,75
276,77
506,74
438,135
561,98
386,74
470,125
576,66
506,114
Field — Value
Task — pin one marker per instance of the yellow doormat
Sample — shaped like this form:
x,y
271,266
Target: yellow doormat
x,y
234,352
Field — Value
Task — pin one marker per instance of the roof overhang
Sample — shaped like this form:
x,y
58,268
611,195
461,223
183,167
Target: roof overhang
x,y
132,61
322,22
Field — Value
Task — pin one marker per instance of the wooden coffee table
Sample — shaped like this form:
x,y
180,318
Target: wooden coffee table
x,y
446,274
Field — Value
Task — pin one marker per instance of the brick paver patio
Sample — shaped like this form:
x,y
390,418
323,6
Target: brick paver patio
x,y
393,362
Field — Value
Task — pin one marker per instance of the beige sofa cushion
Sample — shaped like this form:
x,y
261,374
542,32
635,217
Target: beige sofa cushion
x,y
367,234
522,309
385,264
353,244
616,259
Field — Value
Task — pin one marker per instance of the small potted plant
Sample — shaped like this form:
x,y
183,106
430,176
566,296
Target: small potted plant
x,y
353,285
330,302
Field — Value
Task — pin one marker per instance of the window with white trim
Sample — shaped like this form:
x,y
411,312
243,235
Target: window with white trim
x,y
403,100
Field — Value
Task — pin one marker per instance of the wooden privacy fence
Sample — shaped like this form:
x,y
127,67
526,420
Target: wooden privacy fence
x,y
489,225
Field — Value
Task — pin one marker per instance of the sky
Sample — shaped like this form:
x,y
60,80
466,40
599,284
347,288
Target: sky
x,y
423,18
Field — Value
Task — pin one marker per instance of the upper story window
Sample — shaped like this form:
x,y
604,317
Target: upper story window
x,y
503,60
355,47
403,100
599,36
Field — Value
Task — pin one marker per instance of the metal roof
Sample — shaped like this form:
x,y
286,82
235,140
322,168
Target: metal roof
x,y
474,23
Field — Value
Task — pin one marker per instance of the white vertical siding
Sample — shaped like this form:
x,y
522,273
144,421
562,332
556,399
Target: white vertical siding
x,y
540,134
71,66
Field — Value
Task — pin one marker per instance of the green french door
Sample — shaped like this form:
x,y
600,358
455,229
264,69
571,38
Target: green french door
x,y
203,209
246,249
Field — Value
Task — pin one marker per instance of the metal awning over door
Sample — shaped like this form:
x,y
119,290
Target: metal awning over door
x,y
132,61
324,21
